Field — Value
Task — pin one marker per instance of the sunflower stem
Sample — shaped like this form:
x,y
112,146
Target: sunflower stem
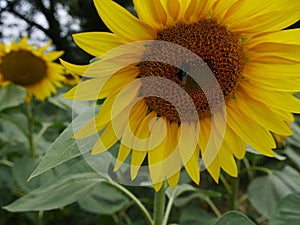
x,y
133,198
159,205
30,129
235,191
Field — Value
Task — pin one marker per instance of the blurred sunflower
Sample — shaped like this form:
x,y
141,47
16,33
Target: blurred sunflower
x,y
254,60
30,67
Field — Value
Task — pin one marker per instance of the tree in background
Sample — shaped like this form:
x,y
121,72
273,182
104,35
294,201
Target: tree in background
x,y
51,19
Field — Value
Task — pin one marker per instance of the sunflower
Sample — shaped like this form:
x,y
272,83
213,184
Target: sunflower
x,y
242,46
31,68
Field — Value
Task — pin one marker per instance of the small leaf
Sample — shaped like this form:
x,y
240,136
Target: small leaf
x,y
11,96
234,218
293,155
23,167
194,216
104,200
65,148
61,192
265,192
287,211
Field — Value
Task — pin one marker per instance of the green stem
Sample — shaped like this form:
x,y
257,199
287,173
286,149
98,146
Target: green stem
x,y
159,205
168,211
225,183
134,199
30,129
40,218
235,190
214,207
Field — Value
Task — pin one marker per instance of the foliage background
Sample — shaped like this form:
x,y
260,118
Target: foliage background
x,y
67,190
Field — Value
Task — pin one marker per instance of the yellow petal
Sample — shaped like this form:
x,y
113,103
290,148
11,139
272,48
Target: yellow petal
x,y
284,101
122,155
198,10
272,70
227,162
234,143
123,23
209,149
252,133
281,85
220,8
75,68
281,37
173,180
156,155
288,51
141,143
261,16
151,12
172,160
106,141
101,87
97,43
262,115
189,151
172,9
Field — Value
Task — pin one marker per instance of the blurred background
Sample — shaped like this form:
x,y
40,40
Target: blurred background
x,y
57,20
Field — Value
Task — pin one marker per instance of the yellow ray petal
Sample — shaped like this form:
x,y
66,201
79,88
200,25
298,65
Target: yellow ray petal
x,y
156,156
172,9
105,141
75,68
281,37
234,143
123,23
173,180
288,51
172,162
252,133
157,186
102,87
54,55
97,43
262,115
209,153
138,156
151,12
286,116
189,151
283,101
227,162
220,8
184,5
268,16
272,70
198,10
122,155
281,85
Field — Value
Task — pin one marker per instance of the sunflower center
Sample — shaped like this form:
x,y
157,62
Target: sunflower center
x,y
23,68
218,47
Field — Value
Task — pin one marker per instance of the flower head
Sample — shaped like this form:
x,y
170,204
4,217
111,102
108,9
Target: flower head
x,y
30,67
190,80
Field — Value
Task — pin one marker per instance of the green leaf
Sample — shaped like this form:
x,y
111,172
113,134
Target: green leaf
x,y
194,216
65,148
11,96
293,155
23,167
61,102
287,211
61,192
265,192
234,218
104,200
